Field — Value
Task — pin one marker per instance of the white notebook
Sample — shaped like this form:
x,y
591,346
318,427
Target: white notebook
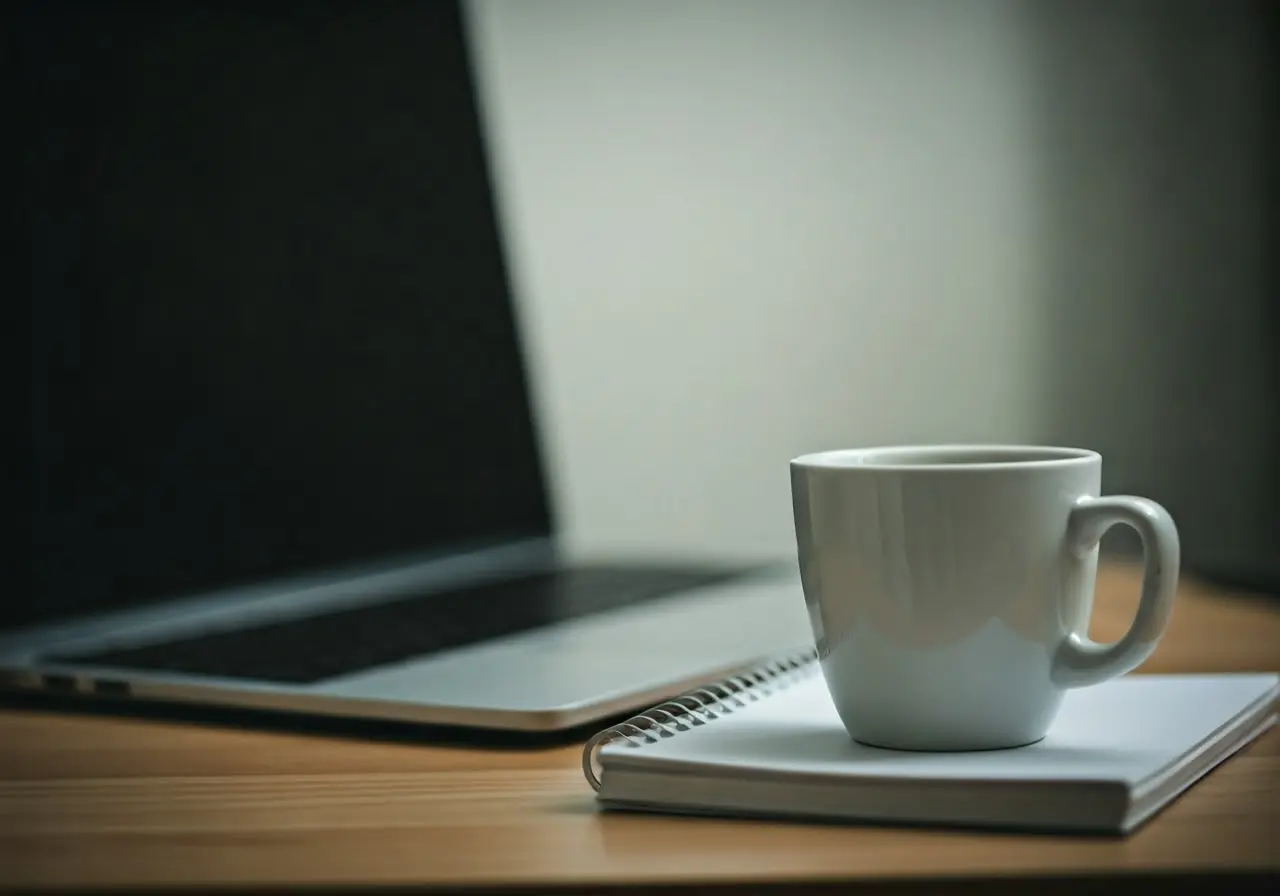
x,y
770,744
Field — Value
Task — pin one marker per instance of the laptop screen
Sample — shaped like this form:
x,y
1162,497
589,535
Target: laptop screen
x,y
270,326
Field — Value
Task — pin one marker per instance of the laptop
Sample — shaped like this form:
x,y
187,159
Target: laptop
x,y
282,452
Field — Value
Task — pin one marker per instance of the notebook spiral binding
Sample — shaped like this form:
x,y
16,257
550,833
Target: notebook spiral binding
x,y
701,705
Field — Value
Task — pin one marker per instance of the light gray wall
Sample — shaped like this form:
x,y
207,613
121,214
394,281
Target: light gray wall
x,y
744,229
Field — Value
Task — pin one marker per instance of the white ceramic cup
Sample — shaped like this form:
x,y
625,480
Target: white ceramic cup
x,y
949,587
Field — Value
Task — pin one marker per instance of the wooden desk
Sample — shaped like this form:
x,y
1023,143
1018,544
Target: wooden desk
x,y
91,802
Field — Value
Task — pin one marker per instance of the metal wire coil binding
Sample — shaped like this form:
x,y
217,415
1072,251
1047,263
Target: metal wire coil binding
x,y
699,706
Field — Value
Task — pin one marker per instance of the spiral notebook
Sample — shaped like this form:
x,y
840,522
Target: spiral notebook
x,y
770,744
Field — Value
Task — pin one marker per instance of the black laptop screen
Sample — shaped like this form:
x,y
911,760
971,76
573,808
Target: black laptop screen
x,y
270,328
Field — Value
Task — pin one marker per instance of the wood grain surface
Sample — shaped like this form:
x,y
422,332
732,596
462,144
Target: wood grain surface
x,y
89,801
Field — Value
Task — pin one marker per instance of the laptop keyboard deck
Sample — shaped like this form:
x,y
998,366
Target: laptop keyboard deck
x,y
328,644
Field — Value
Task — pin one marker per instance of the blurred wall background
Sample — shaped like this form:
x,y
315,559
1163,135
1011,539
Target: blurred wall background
x,y
1156,149
745,229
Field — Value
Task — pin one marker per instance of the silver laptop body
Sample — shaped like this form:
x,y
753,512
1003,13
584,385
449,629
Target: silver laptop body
x,y
559,675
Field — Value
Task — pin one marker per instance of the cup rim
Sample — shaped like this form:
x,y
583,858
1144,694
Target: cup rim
x,y
897,457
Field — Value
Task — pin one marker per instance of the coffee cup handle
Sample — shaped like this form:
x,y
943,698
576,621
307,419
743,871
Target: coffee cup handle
x,y
1079,661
